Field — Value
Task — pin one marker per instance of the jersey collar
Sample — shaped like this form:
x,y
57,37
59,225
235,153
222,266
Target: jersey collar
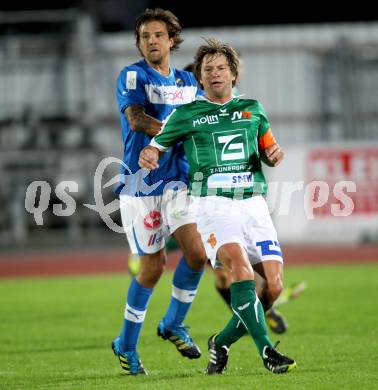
x,y
158,73
202,97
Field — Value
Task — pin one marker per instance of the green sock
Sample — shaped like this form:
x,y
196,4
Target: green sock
x,y
248,309
231,333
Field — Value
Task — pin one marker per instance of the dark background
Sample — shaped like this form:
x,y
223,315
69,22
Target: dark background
x,y
119,15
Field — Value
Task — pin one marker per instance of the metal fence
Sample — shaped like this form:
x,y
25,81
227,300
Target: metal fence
x,y
58,115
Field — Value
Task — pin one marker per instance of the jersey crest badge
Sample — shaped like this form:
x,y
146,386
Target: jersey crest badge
x,y
131,79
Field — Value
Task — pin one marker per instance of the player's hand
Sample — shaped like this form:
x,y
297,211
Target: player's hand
x,y
148,158
274,154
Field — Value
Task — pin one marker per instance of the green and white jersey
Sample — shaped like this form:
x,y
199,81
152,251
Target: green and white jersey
x,y
221,142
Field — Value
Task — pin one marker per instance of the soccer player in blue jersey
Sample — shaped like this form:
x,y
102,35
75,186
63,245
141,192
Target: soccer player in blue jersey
x,y
147,92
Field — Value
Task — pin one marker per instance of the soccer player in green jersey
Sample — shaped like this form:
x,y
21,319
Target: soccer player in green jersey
x,y
223,278
225,140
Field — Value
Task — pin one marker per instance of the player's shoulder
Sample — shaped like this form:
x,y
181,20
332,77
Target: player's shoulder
x,y
137,70
184,111
190,107
133,76
184,77
138,67
250,103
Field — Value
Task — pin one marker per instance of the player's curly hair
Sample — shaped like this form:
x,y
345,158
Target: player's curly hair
x,y
214,47
173,25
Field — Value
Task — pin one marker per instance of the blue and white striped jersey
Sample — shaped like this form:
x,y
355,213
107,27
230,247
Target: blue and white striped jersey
x,y
139,84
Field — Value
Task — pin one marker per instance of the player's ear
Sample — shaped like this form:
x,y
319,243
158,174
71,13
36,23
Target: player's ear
x,y
171,43
138,47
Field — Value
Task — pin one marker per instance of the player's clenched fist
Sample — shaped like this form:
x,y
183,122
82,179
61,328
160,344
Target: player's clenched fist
x,y
274,154
149,157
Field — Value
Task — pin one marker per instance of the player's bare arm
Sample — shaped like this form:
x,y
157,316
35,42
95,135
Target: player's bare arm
x,y
140,121
149,157
273,155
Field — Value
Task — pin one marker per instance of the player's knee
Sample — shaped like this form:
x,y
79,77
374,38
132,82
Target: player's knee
x,y
150,276
242,272
196,258
273,289
223,279
151,270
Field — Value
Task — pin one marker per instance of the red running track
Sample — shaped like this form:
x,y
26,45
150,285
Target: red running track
x,y
93,261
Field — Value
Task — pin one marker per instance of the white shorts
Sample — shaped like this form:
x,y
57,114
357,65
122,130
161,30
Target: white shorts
x,y
149,220
224,220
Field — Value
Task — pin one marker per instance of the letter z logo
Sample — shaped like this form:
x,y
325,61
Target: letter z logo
x,y
231,150
230,146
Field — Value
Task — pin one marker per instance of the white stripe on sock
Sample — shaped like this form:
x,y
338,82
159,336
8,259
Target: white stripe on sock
x,y
186,296
134,315
255,307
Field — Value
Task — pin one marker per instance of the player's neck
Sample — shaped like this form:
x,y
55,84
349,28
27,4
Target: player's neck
x,y
161,67
219,100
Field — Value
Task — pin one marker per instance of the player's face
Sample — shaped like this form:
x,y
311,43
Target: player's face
x,y
154,41
216,76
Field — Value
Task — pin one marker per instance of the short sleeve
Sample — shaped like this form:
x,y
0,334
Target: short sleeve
x,y
130,88
171,132
264,121
266,137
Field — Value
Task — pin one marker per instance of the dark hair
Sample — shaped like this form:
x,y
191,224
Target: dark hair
x,y
161,15
189,67
213,48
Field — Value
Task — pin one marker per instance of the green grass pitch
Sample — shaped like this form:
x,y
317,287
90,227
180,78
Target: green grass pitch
x,y
55,333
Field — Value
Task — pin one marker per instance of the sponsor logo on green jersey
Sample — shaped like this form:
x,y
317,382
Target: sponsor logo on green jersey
x,y
206,120
230,146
